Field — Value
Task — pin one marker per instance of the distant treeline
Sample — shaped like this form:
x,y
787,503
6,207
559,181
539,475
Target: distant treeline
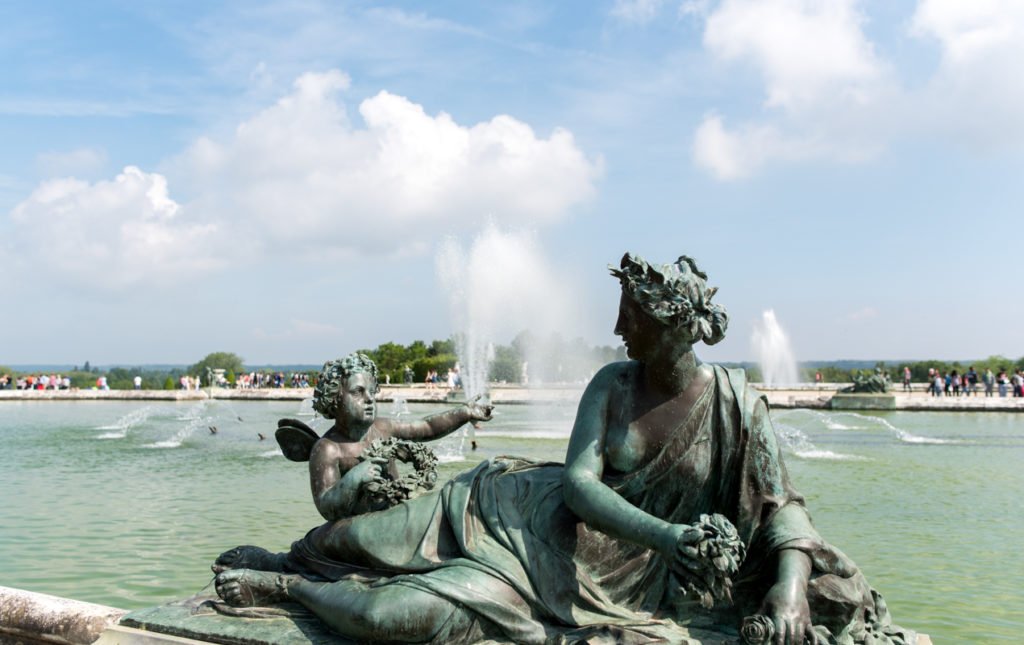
x,y
549,359
843,371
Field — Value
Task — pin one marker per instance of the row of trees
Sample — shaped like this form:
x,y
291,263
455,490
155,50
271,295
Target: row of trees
x,y
548,359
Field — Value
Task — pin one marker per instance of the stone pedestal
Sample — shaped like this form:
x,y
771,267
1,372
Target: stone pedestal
x,y
196,621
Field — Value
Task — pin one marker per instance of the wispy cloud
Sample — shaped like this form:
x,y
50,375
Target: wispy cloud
x,y
62,107
81,162
299,329
864,313
638,11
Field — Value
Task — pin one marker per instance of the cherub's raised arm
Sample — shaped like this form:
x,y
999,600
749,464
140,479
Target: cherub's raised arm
x,y
442,423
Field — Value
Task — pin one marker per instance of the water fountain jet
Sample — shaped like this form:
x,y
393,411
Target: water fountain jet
x,y
498,286
773,351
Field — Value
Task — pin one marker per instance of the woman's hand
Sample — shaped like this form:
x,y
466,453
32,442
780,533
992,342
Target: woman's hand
x,y
785,605
679,550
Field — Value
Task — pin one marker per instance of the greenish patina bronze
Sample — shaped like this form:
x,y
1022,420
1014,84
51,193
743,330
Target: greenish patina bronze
x,y
842,401
353,467
672,514
876,383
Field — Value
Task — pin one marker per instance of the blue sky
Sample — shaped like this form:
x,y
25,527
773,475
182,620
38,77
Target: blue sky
x,y
281,179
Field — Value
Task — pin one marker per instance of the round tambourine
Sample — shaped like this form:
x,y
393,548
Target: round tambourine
x,y
393,486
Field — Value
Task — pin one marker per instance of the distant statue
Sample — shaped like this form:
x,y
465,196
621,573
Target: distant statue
x,y
673,511
876,383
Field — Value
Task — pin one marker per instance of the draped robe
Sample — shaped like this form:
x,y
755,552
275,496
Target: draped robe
x,y
499,541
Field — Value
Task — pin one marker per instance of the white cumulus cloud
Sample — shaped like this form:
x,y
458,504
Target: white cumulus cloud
x,y
807,51
970,30
108,234
304,179
304,170
829,95
822,80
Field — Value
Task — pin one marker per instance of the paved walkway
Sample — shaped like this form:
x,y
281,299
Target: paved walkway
x,y
802,396
811,396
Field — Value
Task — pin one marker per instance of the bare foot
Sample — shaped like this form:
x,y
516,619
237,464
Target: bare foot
x,y
248,588
249,557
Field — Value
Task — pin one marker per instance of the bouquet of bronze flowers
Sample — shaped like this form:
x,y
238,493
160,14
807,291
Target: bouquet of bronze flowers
x,y
719,554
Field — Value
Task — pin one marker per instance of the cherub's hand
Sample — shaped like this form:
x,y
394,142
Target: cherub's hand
x,y
479,411
367,471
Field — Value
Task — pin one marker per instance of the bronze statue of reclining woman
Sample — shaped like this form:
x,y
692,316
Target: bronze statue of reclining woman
x,y
667,455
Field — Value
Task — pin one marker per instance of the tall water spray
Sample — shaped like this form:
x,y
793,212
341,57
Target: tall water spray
x,y
773,351
498,286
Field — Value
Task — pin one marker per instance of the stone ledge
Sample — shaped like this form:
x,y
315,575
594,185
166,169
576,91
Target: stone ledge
x,y
30,617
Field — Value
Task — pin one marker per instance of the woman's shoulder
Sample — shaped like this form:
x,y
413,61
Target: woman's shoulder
x,y
618,373
611,380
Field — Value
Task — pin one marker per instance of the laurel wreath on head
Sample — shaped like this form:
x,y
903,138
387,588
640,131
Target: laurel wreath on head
x,y
385,490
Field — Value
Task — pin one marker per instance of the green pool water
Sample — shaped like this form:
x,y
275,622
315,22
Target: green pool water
x,y
127,503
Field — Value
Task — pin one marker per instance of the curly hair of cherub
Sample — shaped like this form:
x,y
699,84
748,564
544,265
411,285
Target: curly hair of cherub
x,y
675,294
331,377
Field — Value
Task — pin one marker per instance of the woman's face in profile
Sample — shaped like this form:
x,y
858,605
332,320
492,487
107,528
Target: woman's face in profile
x,y
641,334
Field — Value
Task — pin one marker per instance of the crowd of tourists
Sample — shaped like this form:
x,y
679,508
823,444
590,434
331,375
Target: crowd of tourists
x,y
453,379
186,382
35,382
972,383
251,380
259,380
